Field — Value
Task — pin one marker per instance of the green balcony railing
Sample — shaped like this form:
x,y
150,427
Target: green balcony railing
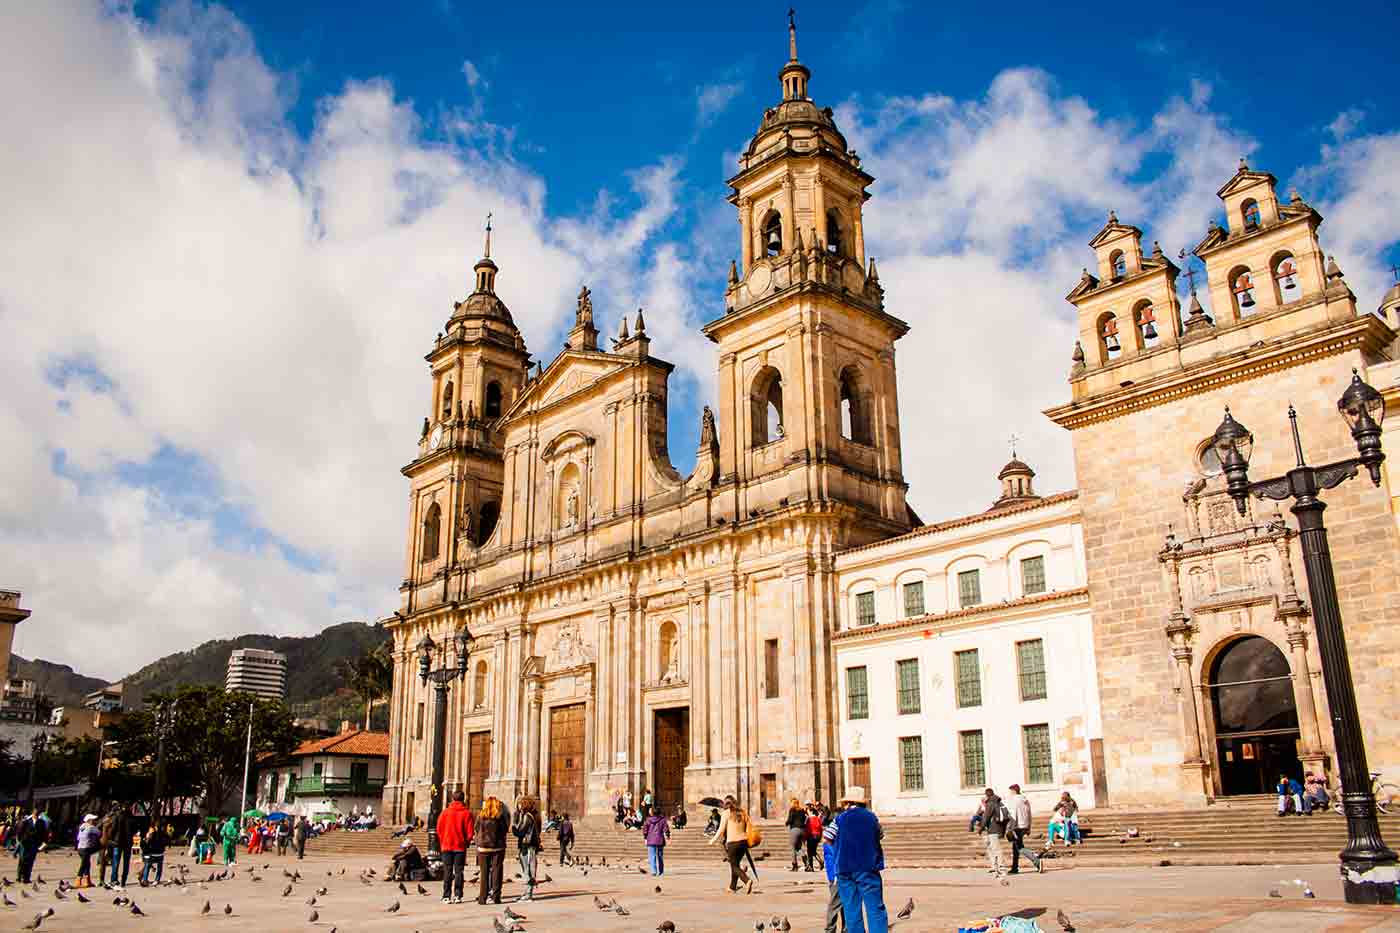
x,y
337,787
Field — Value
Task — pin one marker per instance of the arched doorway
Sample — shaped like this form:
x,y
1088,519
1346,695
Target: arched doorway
x,y
1256,721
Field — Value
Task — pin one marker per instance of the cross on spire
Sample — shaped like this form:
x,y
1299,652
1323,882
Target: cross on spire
x,y
792,34
1014,439
1190,272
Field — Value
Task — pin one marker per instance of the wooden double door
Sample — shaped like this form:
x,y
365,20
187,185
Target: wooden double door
x,y
478,762
567,730
671,754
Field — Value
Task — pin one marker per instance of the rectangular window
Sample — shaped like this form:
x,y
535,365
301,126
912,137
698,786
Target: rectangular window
x,y
1030,662
316,769
860,772
857,694
969,674
911,763
974,762
908,671
1036,742
1033,576
969,588
913,599
865,609
770,668
418,723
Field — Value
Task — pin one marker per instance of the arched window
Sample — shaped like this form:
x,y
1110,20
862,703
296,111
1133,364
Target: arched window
x,y
479,686
772,234
1118,264
432,532
447,400
490,513
1286,288
766,406
1242,287
667,663
1145,319
855,421
835,240
1250,211
493,400
1108,337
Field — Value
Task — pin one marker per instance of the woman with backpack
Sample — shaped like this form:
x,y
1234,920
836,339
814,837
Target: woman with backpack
x,y
797,830
735,832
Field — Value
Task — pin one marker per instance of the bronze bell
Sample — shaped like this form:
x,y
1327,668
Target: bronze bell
x,y
1149,332
1110,342
1247,298
775,241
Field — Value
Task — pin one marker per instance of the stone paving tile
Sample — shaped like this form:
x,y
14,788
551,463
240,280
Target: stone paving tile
x,y
1100,900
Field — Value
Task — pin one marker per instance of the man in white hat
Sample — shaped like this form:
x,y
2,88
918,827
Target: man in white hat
x,y
860,858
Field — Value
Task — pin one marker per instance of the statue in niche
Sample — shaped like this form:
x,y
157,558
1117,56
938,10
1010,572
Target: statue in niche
x,y
467,524
707,428
584,314
571,509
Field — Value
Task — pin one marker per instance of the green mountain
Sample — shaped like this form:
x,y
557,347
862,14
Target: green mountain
x,y
313,687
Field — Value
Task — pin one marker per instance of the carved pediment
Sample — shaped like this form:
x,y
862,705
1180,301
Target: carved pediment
x,y
571,371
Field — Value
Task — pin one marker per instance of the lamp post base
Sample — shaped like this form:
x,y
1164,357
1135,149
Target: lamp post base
x,y
1371,883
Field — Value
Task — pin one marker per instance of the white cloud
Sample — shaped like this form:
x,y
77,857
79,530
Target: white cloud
x,y
712,99
473,75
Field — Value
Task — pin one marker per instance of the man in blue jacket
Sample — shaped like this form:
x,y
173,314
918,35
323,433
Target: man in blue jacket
x,y
859,860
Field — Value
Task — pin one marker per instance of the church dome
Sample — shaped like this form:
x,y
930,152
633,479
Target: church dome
x,y
1015,467
483,303
1016,484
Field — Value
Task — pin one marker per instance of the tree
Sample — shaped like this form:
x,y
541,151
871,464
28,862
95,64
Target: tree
x,y
370,675
205,746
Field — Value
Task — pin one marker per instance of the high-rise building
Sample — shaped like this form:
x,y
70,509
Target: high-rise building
x,y
257,671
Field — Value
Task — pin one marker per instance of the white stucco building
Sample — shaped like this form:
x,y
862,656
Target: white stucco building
x,y
965,658
326,777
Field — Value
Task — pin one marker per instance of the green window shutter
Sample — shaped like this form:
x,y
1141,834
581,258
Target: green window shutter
x,y
911,763
857,695
969,674
969,588
1030,662
908,671
913,599
974,764
1033,576
865,609
1036,740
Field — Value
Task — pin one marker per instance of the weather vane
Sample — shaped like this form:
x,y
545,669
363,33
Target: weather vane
x,y
1014,439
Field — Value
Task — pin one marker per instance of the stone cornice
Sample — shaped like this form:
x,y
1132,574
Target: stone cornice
x,y
1365,332
1079,596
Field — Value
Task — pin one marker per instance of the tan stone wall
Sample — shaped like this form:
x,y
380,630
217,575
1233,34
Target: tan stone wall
x,y
1132,471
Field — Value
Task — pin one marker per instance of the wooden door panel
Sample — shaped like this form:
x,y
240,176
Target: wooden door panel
x,y
672,754
478,761
566,766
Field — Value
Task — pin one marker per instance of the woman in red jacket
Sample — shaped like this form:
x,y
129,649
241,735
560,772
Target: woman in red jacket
x,y
454,832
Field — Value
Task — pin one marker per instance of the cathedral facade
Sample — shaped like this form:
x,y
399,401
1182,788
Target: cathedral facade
x,y
617,626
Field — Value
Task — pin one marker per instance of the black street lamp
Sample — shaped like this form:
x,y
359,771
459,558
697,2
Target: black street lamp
x,y
37,744
164,718
1369,869
442,679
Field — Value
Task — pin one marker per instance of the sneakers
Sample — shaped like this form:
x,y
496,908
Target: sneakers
x,y
447,900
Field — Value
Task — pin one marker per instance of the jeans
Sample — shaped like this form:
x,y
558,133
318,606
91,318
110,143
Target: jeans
x,y
85,865
834,914
734,853
491,868
1283,803
121,864
975,822
564,853
454,865
863,888
152,861
658,862
529,864
795,840
26,862
1017,845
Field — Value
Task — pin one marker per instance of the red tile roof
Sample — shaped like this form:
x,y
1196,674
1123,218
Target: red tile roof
x,y
355,742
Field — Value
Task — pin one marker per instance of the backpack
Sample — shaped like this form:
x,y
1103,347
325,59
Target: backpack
x,y
814,826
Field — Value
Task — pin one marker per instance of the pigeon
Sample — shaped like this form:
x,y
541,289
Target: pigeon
x,y
59,895
906,911
658,889
287,890
403,890
311,901
23,893
622,911
665,926
83,900
313,917
393,908
8,902
497,925
1064,921
598,903
785,926
515,927
321,892
136,910
758,926
228,910
205,909
1308,893
48,912
34,924
422,890
1273,892
512,915
641,870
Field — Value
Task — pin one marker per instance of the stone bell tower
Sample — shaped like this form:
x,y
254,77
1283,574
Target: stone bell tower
x,y
808,408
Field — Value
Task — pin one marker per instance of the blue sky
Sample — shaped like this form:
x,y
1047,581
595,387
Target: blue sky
x,y
235,229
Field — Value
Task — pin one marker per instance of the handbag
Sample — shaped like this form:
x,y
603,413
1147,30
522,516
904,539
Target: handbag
x,y
754,836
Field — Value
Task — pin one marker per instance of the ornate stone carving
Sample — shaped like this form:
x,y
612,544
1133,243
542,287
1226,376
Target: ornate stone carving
x,y
708,437
569,649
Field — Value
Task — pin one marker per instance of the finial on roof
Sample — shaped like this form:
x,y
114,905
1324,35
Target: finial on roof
x,y
792,34
733,272
488,235
1014,439
1113,217
622,333
874,274
1078,355
1156,249
1294,196
1333,270
641,324
1244,166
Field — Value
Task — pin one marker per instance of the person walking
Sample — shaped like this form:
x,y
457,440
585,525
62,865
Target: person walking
x,y
566,840
89,841
1020,807
153,846
733,832
104,844
283,835
527,835
860,858
229,835
656,829
33,834
121,847
796,826
491,825
814,835
995,821
455,830
299,836
835,913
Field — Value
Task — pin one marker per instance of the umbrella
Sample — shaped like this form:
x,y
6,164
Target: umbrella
x,y
254,814
711,802
277,816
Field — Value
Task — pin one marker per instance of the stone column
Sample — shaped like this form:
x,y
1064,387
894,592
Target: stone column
x,y
819,213
789,216
859,233
532,748
746,234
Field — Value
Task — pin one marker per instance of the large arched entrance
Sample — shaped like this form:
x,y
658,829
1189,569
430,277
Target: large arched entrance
x,y
1256,721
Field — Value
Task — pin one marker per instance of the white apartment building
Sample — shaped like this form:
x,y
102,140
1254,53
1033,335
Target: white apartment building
x,y
966,659
257,671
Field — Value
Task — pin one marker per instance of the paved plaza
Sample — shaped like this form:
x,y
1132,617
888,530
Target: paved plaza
x,y
693,898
